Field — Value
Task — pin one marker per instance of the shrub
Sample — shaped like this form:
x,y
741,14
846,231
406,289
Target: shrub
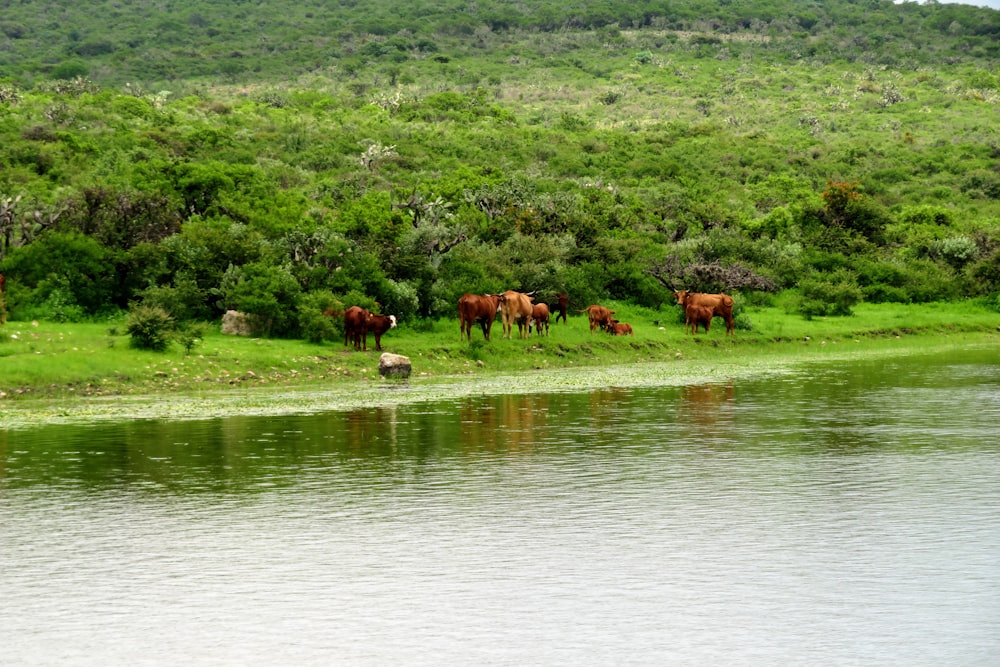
x,y
834,294
149,328
72,264
52,300
183,301
317,317
70,69
956,250
268,293
400,299
189,335
742,322
985,273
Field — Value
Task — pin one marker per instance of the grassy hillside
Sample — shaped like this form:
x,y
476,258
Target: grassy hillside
x,y
406,154
152,41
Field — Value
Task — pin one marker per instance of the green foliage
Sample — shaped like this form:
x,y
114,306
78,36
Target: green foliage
x,y
957,251
183,300
52,299
67,269
70,69
207,168
268,293
149,328
835,294
986,273
190,334
476,351
317,319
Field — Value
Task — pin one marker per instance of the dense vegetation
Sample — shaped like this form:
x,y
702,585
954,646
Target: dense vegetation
x,y
281,160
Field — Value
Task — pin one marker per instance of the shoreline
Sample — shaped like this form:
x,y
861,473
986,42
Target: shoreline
x,y
314,397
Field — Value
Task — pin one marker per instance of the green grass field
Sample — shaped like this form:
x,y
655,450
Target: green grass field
x,y
48,359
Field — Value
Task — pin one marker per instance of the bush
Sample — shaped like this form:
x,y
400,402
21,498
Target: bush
x,y
956,250
69,262
149,328
70,69
189,335
183,301
269,293
52,300
835,294
317,317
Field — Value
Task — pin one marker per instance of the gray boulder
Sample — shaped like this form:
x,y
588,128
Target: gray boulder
x,y
394,365
236,324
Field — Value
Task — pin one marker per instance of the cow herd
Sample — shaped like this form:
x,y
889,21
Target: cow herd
x,y
518,308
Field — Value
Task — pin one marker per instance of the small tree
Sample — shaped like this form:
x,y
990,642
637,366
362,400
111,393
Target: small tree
x,y
149,328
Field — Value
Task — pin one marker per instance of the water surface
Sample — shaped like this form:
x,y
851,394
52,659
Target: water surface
x,y
844,514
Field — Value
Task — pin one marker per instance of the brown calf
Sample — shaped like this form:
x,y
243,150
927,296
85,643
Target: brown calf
x,y
695,315
539,318
599,316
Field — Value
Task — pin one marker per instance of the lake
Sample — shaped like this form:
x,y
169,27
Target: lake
x,y
840,513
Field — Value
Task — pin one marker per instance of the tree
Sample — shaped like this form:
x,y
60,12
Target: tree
x,y
77,264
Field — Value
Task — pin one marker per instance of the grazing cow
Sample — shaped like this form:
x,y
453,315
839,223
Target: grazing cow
x,y
515,307
721,305
377,325
355,325
561,306
695,315
599,316
540,318
616,328
473,308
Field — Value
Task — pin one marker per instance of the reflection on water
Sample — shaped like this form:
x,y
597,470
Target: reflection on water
x,y
843,515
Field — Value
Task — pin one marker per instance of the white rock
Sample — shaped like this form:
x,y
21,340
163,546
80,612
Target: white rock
x,y
394,365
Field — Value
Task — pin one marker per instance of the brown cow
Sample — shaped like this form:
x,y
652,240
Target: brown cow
x,y
474,308
355,326
561,306
620,329
515,307
721,305
695,315
599,316
377,325
539,318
